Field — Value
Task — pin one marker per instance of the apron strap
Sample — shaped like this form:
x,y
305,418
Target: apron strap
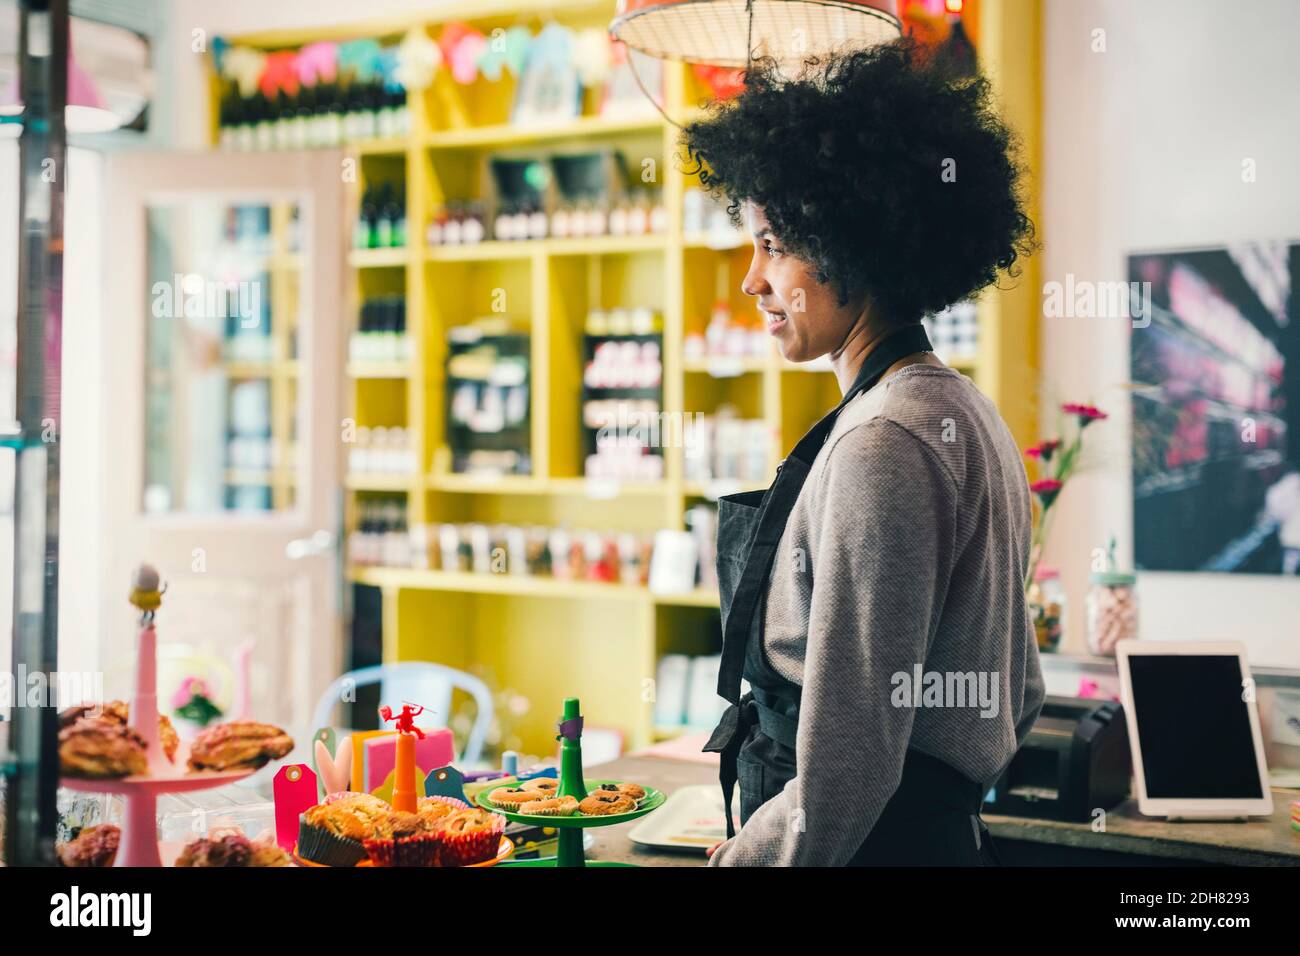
x,y
732,731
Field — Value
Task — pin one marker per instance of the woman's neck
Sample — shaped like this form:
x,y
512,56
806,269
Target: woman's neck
x,y
861,341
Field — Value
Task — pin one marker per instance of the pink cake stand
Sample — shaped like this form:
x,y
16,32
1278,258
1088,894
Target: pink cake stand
x,y
138,845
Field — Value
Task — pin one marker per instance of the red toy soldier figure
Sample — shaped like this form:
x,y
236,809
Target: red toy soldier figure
x,y
406,719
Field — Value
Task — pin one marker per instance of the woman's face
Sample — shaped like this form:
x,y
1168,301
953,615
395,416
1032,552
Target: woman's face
x,y
802,314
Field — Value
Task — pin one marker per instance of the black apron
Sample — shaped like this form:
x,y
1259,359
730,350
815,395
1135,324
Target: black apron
x,y
933,817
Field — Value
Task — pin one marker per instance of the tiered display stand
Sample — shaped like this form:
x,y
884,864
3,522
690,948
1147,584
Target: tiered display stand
x,y
138,845
572,784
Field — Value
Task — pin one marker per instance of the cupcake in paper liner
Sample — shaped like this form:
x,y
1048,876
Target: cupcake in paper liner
x,y
469,836
356,798
406,840
319,844
435,809
333,833
550,807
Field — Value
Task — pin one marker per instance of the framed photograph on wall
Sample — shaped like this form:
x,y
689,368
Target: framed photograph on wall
x,y
1216,409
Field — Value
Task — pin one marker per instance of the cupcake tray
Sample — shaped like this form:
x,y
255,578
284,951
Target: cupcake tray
x,y
570,851
503,851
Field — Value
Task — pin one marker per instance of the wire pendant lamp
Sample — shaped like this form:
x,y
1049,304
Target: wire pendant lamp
x,y
728,33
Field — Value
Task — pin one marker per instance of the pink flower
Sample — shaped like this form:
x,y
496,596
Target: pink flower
x,y
1044,449
1047,489
1087,414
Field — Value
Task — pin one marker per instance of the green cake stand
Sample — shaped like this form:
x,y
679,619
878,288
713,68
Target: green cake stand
x,y
571,784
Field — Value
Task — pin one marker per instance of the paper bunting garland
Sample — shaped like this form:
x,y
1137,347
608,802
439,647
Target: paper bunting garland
x,y
553,45
418,59
386,67
361,58
414,62
518,40
280,74
318,63
462,46
244,65
493,58
506,49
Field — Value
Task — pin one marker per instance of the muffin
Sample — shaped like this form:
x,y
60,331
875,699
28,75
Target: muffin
x,y
408,841
433,809
333,834
469,836
512,798
94,846
238,745
632,790
600,803
100,747
551,807
120,711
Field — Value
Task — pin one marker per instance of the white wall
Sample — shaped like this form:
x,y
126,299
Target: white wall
x,y
1142,149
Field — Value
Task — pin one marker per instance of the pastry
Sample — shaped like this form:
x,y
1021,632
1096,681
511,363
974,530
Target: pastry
x,y
513,797
408,840
238,745
230,849
119,711
627,789
94,846
601,803
99,747
334,833
469,836
549,784
551,807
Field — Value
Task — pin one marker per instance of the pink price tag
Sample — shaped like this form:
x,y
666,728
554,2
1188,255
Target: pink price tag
x,y
294,789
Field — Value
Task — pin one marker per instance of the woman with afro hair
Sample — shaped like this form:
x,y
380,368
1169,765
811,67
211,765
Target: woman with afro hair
x,y
872,597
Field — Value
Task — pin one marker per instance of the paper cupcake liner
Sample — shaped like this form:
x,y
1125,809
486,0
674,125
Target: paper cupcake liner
x,y
535,795
320,846
450,801
421,850
462,849
552,812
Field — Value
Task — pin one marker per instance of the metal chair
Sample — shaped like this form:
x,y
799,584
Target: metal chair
x,y
421,682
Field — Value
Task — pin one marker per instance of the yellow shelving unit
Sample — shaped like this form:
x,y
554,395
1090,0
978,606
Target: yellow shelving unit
x,y
548,639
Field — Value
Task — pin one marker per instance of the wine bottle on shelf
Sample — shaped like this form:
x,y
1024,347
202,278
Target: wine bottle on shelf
x,y
299,119
265,131
226,123
364,237
397,216
279,131
334,119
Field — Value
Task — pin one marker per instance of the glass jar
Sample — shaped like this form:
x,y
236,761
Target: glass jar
x,y
1112,611
1046,600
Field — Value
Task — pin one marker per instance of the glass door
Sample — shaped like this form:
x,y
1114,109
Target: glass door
x,y
221,415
